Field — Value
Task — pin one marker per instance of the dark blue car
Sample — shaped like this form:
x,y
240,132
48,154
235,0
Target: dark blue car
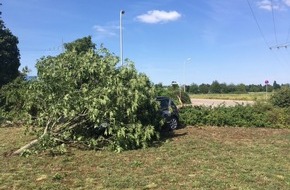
x,y
169,112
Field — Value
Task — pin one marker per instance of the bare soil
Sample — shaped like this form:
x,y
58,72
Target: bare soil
x,y
216,102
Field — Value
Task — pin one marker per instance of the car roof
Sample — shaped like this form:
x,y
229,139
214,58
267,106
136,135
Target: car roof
x,y
162,97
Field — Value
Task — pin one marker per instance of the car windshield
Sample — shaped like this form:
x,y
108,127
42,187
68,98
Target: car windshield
x,y
164,103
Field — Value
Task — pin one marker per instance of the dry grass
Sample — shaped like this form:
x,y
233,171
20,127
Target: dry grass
x,y
191,158
260,96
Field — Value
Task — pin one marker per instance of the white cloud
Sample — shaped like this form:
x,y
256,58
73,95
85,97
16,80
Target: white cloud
x,y
287,2
156,16
280,5
267,5
105,31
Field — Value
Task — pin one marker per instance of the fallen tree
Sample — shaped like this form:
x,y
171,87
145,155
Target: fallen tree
x,y
81,96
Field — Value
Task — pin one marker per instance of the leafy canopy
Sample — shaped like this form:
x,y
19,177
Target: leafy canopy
x,y
9,55
82,89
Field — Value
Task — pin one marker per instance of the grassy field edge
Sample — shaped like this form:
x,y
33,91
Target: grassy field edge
x,y
189,158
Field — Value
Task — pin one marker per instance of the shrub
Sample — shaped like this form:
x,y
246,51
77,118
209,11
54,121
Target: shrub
x,y
259,115
13,98
281,98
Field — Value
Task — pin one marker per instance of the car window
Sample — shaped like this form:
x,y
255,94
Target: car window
x,y
173,106
164,103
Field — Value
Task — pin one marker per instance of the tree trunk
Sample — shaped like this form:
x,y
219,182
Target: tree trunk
x,y
25,147
32,143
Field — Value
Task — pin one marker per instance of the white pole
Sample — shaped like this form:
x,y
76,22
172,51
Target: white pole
x,y
121,38
187,60
266,83
266,92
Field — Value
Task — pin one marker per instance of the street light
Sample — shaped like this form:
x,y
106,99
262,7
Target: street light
x,y
266,84
186,61
121,37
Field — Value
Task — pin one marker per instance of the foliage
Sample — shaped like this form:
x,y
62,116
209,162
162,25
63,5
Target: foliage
x,y
159,88
222,88
259,115
241,88
281,98
276,86
82,45
204,88
185,99
193,88
9,55
13,97
174,92
215,87
81,95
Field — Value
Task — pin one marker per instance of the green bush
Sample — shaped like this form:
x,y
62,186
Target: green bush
x,y
281,98
259,115
13,98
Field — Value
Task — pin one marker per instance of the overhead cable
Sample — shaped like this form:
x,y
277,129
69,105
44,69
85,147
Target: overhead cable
x,y
257,23
274,23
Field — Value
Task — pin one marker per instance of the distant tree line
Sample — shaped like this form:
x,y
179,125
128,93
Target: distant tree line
x,y
216,87
223,88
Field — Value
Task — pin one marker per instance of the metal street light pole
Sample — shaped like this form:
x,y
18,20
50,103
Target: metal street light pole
x,y
121,37
187,60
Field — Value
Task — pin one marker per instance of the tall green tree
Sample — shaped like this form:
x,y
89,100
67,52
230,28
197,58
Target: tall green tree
x,y
193,88
82,45
204,88
215,87
224,88
241,88
231,88
9,55
276,85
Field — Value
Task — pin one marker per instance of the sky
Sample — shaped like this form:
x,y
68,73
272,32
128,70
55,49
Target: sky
x,y
187,41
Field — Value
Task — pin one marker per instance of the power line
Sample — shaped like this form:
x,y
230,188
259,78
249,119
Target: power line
x,y
277,46
59,48
287,39
274,23
52,49
257,23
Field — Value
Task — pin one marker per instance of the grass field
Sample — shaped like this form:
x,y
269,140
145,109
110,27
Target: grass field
x,y
190,158
261,96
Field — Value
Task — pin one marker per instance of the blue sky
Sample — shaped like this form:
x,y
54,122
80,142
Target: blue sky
x,y
188,41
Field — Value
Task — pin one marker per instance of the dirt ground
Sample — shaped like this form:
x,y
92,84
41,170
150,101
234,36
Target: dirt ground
x,y
216,102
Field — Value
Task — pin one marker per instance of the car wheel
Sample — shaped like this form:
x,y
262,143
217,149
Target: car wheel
x,y
173,123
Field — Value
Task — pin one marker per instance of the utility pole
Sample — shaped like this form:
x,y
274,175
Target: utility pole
x,y
266,84
184,73
121,37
